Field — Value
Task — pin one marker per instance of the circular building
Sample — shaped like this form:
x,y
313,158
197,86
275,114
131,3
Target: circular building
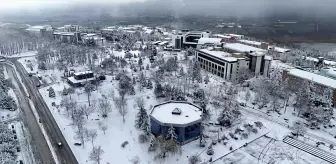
x,y
185,117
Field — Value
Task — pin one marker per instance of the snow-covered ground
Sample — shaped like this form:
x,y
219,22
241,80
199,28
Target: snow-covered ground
x,y
275,125
24,54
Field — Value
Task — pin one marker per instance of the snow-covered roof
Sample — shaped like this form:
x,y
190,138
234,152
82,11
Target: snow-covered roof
x,y
73,80
64,33
163,43
236,35
313,77
222,36
242,48
156,42
209,41
250,42
38,28
268,57
281,50
189,113
82,73
219,54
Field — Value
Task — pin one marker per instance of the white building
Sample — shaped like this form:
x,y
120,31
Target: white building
x,y
204,42
221,64
98,40
40,30
186,38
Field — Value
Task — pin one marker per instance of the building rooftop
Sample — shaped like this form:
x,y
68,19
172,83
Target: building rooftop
x,y
242,48
184,113
313,77
73,80
64,33
218,54
222,36
209,41
281,50
250,42
82,73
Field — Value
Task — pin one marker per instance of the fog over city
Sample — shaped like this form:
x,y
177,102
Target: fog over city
x,y
240,8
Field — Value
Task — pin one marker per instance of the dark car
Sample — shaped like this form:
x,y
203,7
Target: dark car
x,y
77,144
18,149
59,144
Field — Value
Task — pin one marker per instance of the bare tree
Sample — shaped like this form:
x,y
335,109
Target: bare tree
x,y
86,110
80,135
135,160
140,102
95,154
120,103
92,135
299,128
104,128
88,88
194,159
104,107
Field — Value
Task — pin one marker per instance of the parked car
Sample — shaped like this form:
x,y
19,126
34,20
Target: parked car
x,y
77,144
59,144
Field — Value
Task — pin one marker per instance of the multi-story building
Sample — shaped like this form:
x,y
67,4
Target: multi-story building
x,y
186,38
222,64
40,30
296,77
67,37
96,38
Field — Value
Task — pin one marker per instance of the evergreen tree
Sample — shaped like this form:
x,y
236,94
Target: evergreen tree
x,y
171,133
196,72
51,92
65,91
145,127
149,85
182,72
147,67
134,81
42,66
132,92
141,118
140,61
206,79
158,91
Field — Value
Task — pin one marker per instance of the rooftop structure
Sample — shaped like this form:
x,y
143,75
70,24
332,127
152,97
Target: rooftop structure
x,y
184,117
219,54
322,80
250,42
215,41
39,28
189,113
238,47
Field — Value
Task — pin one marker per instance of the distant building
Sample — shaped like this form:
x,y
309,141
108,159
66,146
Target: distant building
x,y
185,117
209,42
96,38
40,30
69,28
226,38
80,78
67,37
228,64
221,64
186,38
296,77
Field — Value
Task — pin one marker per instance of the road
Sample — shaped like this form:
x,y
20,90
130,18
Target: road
x,y
64,154
39,144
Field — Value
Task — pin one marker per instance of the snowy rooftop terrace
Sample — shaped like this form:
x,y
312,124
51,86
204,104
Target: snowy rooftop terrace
x,y
220,54
250,42
210,41
242,48
190,113
313,77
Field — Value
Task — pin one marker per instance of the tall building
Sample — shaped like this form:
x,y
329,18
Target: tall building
x,y
186,38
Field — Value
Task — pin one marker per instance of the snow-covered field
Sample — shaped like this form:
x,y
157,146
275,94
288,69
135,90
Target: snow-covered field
x,y
275,125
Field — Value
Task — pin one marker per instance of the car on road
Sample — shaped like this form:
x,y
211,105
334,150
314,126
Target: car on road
x,y
59,144
77,144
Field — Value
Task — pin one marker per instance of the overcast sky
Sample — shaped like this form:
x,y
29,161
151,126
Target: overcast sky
x,y
175,7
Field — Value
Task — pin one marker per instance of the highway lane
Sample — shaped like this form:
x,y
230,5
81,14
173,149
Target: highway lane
x,y
39,144
64,154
